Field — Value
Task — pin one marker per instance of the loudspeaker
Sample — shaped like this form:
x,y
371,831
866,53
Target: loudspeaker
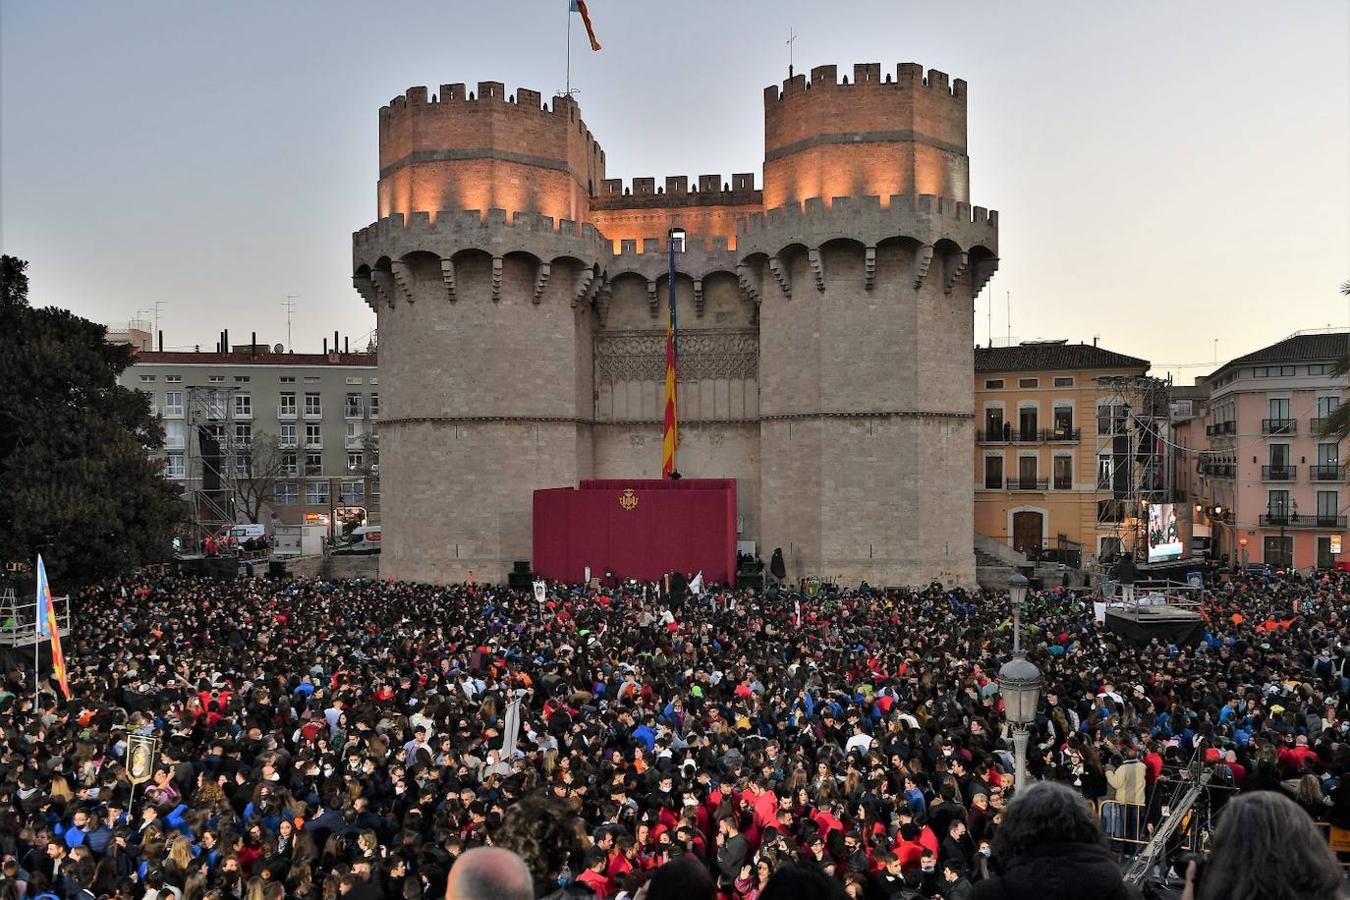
x,y
276,568
752,580
211,459
522,565
522,580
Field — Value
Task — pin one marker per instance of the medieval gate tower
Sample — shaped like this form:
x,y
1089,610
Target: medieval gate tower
x,y
826,324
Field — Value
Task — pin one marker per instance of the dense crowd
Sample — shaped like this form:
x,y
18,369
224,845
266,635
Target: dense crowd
x,y
349,739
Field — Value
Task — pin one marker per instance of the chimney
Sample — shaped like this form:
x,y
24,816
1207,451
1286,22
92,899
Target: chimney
x,y
346,345
226,340
161,340
325,346
253,344
1094,340
335,341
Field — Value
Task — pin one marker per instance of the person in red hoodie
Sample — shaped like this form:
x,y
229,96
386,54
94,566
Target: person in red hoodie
x,y
594,874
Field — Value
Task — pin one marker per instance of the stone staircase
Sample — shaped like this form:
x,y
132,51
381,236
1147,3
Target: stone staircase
x,y
994,563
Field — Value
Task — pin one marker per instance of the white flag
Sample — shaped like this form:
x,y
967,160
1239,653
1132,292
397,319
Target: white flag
x,y
696,586
511,728
540,591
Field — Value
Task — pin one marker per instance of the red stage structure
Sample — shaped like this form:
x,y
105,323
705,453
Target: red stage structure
x,y
642,529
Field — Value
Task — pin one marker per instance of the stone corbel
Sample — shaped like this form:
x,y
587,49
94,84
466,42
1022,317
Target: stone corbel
x,y
602,298
869,268
923,258
496,279
540,281
698,297
781,275
652,303
984,270
402,279
366,288
817,268
954,265
384,286
585,280
448,276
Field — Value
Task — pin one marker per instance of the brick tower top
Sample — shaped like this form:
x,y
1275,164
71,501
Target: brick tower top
x,y
486,150
829,138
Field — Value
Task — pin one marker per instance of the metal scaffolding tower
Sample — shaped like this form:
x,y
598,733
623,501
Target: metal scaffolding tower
x,y
216,457
1134,465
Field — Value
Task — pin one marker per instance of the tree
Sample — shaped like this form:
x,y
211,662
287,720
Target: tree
x,y
1337,425
266,465
77,481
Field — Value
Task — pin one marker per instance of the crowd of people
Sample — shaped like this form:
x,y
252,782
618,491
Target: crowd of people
x,y
355,739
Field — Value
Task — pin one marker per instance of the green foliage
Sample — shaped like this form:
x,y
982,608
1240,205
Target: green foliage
x,y
76,480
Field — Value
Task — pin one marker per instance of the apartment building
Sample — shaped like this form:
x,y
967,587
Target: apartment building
x,y
313,415
1270,489
1045,461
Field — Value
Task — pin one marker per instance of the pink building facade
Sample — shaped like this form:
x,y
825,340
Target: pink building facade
x,y
1270,489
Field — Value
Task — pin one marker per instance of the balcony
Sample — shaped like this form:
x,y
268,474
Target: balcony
x,y
1063,435
286,443
1279,426
353,412
313,413
1278,473
313,443
1219,470
1326,472
173,412
1218,428
356,441
313,470
1278,519
1028,484
1315,426
286,413
993,482
243,415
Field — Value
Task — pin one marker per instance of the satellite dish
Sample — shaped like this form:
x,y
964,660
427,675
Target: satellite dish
x,y
279,348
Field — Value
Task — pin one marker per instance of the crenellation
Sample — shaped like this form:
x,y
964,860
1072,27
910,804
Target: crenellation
x,y
491,90
710,184
909,75
937,80
452,92
527,97
743,183
824,76
643,187
866,73
416,95
677,185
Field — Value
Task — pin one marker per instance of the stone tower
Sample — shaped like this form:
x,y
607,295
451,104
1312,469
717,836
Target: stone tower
x,y
826,325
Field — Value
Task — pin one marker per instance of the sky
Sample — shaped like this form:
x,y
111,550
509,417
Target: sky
x,y
1173,178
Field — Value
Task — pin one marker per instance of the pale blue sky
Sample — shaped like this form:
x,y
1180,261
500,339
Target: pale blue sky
x,y
1167,173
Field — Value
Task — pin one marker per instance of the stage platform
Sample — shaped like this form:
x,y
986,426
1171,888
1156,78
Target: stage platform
x,y
641,528
1167,622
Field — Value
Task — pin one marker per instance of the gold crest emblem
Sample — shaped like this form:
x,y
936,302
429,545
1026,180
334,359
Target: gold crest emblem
x,y
628,499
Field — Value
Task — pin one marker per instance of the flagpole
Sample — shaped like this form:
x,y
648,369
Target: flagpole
x,y
568,90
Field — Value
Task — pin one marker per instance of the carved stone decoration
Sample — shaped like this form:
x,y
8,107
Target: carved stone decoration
x,y
781,275
540,281
641,355
698,297
748,284
954,265
923,258
652,303
817,268
496,279
448,276
366,288
984,270
869,268
402,279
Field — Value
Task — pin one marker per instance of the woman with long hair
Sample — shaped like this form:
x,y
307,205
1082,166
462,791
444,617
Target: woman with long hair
x,y
1266,848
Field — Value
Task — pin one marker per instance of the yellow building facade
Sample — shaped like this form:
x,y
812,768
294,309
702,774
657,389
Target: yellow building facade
x,y
1042,461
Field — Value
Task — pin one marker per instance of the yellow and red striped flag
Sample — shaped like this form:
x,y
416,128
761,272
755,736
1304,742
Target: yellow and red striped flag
x,y
47,627
670,438
579,6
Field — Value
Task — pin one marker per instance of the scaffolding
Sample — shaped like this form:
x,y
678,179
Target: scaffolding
x,y
217,456
1134,466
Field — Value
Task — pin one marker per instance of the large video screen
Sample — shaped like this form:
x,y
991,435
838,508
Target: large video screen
x,y
1164,534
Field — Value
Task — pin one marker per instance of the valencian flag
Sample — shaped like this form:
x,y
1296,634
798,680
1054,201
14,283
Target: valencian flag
x,y
47,627
579,6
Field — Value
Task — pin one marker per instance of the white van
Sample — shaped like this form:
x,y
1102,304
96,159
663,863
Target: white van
x,y
365,539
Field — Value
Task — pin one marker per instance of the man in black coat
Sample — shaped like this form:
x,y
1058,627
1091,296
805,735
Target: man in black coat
x,y
1051,847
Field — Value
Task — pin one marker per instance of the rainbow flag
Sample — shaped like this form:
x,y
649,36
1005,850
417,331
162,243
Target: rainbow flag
x,y
47,626
579,6
670,438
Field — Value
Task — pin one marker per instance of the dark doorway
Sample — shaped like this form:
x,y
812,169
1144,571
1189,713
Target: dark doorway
x,y
1027,533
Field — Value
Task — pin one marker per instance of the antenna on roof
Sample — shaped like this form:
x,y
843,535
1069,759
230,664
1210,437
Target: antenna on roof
x,y
289,305
1008,298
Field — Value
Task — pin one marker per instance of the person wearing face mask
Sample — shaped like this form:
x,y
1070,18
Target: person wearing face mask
x,y
980,868
925,880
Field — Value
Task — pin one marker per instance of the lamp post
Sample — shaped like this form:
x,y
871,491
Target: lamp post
x,y
1019,682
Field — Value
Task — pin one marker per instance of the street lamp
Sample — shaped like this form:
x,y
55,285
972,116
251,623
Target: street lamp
x,y
1019,683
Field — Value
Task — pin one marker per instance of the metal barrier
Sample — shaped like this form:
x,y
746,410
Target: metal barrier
x,y
1125,824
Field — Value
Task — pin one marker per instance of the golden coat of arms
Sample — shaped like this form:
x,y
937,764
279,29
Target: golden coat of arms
x,y
628,499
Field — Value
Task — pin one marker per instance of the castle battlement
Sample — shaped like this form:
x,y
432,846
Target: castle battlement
x,y
846,210
741,185
465,221
867,76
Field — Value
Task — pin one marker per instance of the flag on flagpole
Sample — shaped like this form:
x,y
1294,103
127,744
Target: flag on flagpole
x,y
670,437
579,6
47,626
